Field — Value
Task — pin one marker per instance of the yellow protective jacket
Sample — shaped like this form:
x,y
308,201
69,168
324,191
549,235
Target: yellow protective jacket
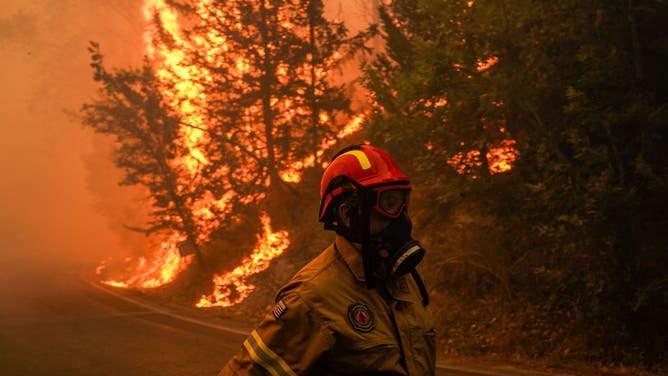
x,y
326,322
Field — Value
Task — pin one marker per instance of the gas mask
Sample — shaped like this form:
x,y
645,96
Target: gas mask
x,y
396,247
399,252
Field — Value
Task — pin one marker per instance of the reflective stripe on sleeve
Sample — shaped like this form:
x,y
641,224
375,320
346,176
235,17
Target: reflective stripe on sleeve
x,y
266,358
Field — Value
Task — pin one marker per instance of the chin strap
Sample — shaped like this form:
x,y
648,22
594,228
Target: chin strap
x,y
367,252
423,289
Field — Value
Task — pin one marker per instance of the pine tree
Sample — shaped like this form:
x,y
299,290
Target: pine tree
x,y
132,110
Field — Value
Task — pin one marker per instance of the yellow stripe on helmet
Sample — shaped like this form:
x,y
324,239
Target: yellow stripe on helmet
x,y
361,157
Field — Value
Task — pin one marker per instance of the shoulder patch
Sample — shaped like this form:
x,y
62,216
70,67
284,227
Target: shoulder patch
x,y
279,308
361,317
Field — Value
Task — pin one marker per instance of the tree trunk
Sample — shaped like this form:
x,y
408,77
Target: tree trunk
x,y
315,111
266,90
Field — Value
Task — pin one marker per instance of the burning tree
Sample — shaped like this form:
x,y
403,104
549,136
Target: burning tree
x,y
132,109
271,104
271,101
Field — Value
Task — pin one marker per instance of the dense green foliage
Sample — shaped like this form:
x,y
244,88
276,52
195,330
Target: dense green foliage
x,y
568,250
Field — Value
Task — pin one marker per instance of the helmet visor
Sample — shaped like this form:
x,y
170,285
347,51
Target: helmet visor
x,y
392,201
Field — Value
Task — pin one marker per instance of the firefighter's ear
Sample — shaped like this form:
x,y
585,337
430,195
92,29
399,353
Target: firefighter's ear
x,y
344,213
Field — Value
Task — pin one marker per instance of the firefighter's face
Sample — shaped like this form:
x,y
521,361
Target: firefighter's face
x,y
377,222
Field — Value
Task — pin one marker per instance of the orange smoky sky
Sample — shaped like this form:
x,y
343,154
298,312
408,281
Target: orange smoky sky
x,y
59,198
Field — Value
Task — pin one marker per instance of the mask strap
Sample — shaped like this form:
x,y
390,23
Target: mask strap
x,y
423,289
367,252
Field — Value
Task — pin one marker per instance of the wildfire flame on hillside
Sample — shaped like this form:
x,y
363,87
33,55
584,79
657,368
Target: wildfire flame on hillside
x,y
166,264
499,159
232,287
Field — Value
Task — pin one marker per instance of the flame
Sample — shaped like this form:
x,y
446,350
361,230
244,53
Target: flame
x,y
186,94
499,158
294,173
167,263
232,287
485,65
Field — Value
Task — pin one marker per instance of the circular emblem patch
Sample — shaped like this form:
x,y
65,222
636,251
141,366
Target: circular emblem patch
x,y
361,317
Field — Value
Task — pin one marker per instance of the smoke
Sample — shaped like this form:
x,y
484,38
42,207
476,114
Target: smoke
x,y
59,200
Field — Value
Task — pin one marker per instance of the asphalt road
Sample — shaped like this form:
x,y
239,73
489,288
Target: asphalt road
x,y
62,324
72,328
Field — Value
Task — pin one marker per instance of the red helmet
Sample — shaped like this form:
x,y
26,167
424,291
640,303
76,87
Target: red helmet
x,y
369,167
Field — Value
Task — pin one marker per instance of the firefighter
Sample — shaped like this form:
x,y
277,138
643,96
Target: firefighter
x,y
360,307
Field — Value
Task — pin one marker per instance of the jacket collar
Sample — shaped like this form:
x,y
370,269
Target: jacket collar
x,y
352,257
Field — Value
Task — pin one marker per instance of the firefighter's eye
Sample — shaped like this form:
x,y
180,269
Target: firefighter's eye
x,y
393,201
